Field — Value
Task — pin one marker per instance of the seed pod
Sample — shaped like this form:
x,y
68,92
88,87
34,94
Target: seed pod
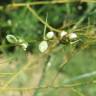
x,y
72,36
63,34
64,37
11,39
43,46
50,35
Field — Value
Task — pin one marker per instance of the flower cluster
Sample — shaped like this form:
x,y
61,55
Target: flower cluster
x,y
18,41
43,46
63,36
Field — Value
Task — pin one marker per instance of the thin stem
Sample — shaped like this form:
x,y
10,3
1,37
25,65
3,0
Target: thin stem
x,y
68,8
44,35
78,92
47,87
81,19
15,75
41,20
70,57
43,76
48,2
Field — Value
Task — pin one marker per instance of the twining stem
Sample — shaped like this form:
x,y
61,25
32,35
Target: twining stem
x,y
48,2
41,20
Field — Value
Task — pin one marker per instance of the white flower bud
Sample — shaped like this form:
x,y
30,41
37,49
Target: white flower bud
x,y
11,38
72,36
50,35
62,34
43,46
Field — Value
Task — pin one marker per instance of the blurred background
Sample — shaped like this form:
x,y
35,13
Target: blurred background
x,y
63,70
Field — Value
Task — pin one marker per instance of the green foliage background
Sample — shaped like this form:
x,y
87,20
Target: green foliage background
x,y
72,69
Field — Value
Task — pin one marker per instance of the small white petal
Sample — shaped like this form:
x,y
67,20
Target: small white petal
x,y
11,38
43,46
72,36
62,34
50,35
24,45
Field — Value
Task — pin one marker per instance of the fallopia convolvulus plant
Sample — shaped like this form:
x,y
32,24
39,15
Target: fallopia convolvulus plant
x,y
27,27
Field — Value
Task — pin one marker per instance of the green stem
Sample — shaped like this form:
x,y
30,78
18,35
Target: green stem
x,y
81,19
68,9
41,20
42,77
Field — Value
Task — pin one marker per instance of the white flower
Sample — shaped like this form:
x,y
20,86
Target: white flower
x,y
72,36
43,46
62,34
50,35
11,38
